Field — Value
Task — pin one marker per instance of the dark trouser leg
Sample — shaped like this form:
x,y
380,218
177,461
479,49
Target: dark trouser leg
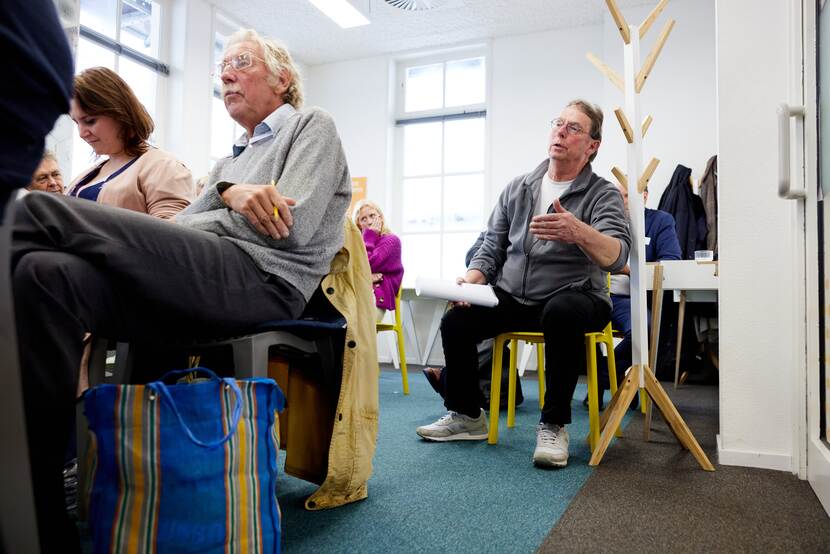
x,y
566,318
620,321
78,266
461,329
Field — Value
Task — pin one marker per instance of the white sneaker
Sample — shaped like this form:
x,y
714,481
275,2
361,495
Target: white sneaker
x,y
455,427
551,446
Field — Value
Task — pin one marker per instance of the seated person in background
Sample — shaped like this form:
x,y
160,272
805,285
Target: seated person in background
x,y
551,278
434,375
47,176
135,175
661,244
384,251
242,253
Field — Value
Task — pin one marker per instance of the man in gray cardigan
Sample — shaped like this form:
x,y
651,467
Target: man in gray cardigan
x,y
253,247
551,238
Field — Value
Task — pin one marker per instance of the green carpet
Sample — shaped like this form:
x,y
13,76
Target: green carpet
x,y
440,497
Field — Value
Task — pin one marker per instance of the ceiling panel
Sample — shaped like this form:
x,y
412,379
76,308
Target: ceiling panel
x,y
315,39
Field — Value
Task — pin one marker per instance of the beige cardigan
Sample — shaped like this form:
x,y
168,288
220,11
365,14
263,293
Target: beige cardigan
x,y
157,184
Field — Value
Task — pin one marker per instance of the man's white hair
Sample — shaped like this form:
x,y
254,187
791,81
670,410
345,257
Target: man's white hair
x,y
277,59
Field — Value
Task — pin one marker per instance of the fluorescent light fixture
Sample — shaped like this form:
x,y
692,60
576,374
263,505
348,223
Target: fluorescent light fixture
x,y
342,12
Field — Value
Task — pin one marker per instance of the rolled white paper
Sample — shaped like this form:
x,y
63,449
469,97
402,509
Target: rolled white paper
x,y
480,295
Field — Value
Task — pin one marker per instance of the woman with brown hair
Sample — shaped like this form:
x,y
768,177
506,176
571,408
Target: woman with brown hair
x,y
135,175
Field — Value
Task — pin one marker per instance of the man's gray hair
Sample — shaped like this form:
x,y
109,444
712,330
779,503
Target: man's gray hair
x,y
277,59
596,116
49,155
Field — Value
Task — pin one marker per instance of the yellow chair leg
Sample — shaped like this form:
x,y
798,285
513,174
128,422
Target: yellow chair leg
x,y
593,402
402,356
540,372
495,391
511,385
608,339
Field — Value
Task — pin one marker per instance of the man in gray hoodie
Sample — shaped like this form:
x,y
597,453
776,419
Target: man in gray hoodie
x,y
253,247
551,238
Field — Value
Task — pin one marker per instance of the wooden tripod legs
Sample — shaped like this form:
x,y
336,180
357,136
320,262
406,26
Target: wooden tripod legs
x,y
619,404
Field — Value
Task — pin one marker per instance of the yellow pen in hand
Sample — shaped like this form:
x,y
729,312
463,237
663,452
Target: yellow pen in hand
x,y
276,210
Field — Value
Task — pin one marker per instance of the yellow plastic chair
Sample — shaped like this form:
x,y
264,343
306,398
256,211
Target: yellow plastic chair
x,y
591,340
397,327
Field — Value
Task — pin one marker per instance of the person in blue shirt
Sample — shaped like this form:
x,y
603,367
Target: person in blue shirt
x,y
661,244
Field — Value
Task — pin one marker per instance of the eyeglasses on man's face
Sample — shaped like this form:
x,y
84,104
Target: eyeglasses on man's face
x,y
239,62
571,128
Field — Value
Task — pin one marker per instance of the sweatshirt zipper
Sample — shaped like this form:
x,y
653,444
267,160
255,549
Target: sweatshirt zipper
x,y
527,252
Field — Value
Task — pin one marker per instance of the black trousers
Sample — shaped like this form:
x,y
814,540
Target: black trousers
x,y
78,266
564,319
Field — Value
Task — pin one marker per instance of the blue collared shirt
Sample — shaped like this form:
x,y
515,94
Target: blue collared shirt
x,y
266,130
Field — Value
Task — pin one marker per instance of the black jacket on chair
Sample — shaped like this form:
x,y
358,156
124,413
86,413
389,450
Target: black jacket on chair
x,y
687,208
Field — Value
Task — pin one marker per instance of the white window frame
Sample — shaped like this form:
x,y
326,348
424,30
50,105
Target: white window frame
x,y
219,20
121,50
403,118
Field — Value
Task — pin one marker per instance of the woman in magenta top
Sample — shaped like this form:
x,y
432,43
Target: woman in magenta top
x,y
384,251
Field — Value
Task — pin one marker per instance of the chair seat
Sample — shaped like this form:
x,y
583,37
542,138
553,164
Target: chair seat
x,y
592,339
307,328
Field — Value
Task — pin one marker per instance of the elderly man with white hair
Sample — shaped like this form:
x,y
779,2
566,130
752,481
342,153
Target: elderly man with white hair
x,y
253,247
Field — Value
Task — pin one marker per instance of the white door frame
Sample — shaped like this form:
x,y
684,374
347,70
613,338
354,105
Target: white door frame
x,y
812,451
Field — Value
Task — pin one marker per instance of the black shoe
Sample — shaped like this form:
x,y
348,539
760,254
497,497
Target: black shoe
x,y
433,375
601,400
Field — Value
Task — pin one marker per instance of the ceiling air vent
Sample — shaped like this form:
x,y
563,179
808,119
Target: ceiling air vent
x,y
418,5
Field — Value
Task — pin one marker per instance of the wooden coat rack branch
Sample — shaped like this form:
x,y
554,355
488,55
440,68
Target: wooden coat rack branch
x,y
606,70
652,56
649,20
646,124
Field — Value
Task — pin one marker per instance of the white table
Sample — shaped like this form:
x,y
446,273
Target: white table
x,y
409,298
691,281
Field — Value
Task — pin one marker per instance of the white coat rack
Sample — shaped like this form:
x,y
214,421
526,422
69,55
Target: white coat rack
x,y
640,377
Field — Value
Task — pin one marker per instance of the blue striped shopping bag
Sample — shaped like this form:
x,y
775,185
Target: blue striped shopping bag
x,y
186,467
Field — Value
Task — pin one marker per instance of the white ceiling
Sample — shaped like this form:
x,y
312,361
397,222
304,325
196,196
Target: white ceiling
x,y
314,39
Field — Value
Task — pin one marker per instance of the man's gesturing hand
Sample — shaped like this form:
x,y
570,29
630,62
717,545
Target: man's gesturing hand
x,y
257,203
561,225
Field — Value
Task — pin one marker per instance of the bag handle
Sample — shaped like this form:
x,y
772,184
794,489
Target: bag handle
x,y
177,372
161,389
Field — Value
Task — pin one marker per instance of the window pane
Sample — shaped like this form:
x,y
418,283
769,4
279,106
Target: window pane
x,y
424,87
464,202
91,55
82,157
422,207
140,22
419,257
219,41
422,149
221,134
465,82
142,80
455,250
464,145
99,15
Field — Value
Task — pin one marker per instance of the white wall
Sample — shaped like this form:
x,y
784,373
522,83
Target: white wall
x,y
755,239
531,77
188,95
357,94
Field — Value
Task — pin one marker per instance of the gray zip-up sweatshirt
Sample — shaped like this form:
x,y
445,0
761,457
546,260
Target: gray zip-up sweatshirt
x,y
307,161
533,270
